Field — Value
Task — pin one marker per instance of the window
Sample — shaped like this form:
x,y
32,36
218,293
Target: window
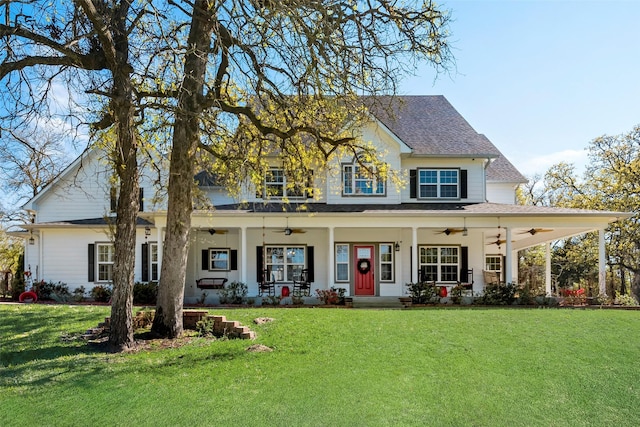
x,y
438,184
342,263
153,261
284,263
358,181
218,259
105,262
493,263
276,185
439,264
386,262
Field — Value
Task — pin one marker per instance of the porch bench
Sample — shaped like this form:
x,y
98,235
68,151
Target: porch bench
x,y
211,282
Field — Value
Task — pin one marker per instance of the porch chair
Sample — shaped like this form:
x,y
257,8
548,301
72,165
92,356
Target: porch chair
x,y
491,277
266,285
302,286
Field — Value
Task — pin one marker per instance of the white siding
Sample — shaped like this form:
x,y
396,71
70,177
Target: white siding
x,y
498,192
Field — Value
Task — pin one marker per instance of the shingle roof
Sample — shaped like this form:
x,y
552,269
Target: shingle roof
x,y
430,126
422,208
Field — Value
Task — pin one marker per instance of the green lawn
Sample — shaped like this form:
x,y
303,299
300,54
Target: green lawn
x,y
451,367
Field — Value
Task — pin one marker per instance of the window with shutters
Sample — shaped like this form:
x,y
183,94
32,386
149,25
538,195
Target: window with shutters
x,y
219,260
284,263
438,183
105,256
439,263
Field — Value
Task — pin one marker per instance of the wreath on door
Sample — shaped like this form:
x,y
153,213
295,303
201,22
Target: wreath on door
x,y
364,266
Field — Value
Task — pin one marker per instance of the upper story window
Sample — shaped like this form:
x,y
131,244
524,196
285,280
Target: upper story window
x,y
278,185
438,183
358,181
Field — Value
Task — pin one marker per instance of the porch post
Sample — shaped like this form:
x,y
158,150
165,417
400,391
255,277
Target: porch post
x,y
243,254
602,265
547,269
414,255
508,277
331,258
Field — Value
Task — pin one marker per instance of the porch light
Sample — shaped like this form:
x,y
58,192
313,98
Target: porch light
x,y
465,232
147,232
397,247
32,241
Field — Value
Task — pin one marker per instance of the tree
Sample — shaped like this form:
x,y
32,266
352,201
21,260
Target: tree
x,y
610,182
29,163
87,42
263,77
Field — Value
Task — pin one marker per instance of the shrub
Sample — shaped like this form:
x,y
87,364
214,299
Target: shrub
x,y
625,300
234,293
78,294
52,291
499,294
333,296
422,292
145,293
101,293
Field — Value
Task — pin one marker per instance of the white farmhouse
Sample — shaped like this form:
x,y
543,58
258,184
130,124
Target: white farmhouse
x,y
455,218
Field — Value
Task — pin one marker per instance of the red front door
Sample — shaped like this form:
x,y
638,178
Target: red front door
x,y
364,283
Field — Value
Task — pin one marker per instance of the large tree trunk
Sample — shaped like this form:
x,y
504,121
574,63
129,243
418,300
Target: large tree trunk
x,y
168,317
126,167
635,285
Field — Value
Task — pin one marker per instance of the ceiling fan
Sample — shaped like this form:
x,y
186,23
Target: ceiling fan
x,y
289,231
534,231
213,231
448,231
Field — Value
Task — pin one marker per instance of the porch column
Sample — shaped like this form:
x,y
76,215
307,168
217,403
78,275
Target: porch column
x,y
602,264
331,258
508,277
414,255
547,269
243,254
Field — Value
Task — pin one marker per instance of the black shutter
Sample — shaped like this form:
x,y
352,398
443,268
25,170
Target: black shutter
x,y
92,262
141,199
463,184
205,259
145,262
413,183
464,267
259,265
234,260
310,263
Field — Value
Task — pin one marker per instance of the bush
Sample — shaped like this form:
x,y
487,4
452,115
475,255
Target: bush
x,y
234,293
625,300
499,294
145,293
333,296
101,293
422,292
52,291
78,294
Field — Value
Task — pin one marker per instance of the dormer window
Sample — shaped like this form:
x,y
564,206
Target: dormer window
x,y
360,181
278,185
438,183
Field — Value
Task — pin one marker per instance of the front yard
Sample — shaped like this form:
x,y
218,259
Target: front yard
x,y
478,366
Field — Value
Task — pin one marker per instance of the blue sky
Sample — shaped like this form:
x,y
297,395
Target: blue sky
x,y
542,78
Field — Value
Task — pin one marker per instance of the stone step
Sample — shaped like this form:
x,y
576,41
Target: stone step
x,y
376,302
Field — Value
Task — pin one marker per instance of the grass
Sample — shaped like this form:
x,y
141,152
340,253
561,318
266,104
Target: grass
x,y
437,367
